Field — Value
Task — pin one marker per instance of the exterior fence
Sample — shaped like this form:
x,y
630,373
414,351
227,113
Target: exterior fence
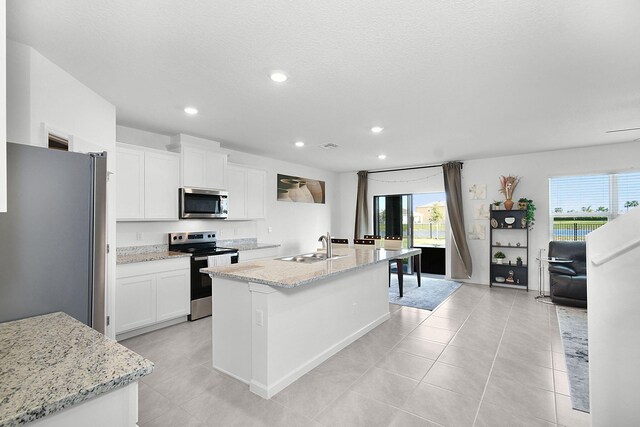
x,y
568,229
430,230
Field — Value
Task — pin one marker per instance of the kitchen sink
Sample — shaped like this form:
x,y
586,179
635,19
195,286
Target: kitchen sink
x,y
308,258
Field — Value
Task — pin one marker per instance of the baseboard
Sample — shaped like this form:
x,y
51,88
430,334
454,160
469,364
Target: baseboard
x,y
268,392
150,328
235,377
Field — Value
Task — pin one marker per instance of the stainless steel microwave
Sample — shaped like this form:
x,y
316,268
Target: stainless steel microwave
x,y
203,203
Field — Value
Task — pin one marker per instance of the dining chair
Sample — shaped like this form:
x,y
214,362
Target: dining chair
x,y
394,243
376,238
341,243
364,243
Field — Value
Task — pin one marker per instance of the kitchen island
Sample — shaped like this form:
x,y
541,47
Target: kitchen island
x,y
56,371
275,320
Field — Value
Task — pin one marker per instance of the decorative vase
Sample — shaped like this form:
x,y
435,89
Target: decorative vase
x,y
498,260
316,191
283,195
508,204
519,263
305,193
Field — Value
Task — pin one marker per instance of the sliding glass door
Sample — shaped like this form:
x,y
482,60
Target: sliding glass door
x,y
420,219
392,216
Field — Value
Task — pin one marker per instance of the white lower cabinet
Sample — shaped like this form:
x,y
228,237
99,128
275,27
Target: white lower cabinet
x,y
135,302
151,292
172,295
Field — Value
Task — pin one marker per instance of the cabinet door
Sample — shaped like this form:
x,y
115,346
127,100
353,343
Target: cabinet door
x,y
215,167
237,188
130,183
255,193
135,302
173,294
193,167
162,178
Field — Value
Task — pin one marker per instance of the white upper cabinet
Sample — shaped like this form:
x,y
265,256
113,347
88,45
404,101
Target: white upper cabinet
x,y
161,178
130,183
202,165
246,188
147,184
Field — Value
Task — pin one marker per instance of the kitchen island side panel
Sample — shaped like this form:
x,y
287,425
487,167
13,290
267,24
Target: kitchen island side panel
x,y
270,336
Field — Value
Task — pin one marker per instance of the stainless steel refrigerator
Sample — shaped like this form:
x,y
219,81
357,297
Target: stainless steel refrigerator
x,y
53,236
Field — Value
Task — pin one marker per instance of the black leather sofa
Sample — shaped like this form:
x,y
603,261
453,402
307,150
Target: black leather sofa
x,y
568,281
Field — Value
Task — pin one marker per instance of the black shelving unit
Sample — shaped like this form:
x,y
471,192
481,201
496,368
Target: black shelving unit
x,y
507,230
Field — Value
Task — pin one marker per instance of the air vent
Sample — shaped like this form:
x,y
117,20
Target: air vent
x,y
329,146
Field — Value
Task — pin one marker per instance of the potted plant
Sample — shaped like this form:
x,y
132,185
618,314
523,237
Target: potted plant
x,y
496,204
499,256
530,208
519,261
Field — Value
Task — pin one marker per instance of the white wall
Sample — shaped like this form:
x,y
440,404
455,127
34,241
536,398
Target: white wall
x,y
296,226
535,170
3,109
401,182
38,91
613,252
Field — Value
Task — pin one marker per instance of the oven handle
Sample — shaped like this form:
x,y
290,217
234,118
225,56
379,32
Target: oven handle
x,y
204,258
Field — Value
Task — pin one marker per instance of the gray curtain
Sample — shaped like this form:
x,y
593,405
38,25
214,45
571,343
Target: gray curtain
x,y
362,210
461,267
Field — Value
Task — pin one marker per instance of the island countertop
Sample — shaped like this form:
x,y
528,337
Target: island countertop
x,y
287,274
51,362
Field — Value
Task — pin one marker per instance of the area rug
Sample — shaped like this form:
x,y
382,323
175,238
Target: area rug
x,y
427,297
573,327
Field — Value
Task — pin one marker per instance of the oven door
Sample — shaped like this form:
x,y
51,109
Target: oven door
x,y
201,286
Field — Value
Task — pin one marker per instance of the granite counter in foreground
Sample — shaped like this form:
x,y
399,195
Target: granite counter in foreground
x,y
52,362
287,274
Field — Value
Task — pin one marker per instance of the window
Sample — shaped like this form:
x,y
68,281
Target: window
x,y
580,204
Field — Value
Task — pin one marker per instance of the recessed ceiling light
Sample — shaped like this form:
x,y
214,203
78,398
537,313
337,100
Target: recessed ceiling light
x,y
382,156
299,144
191,110
377,129
278,76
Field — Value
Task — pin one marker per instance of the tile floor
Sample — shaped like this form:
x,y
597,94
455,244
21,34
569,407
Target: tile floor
x,y
485,357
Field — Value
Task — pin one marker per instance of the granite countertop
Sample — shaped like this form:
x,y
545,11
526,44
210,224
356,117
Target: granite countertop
x,y
131,254
51,362
289,274
149,256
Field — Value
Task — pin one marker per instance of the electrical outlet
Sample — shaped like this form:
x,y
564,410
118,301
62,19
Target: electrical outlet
x,y
259,317
354,307
139,236
269,229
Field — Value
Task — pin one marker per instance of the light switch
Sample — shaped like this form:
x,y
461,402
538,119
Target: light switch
x,y
259,317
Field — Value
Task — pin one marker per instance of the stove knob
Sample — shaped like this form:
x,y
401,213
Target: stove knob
x,y
208,235
174,237
180,237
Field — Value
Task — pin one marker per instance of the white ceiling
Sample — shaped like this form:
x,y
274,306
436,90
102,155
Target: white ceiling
x,y
447,80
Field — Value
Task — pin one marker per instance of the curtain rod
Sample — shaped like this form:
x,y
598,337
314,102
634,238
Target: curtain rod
x,y
411,168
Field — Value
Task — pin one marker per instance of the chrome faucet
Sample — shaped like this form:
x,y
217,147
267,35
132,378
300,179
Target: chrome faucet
x,y
326,243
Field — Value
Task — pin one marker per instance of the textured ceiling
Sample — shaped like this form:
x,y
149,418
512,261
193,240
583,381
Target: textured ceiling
x,y
447,80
